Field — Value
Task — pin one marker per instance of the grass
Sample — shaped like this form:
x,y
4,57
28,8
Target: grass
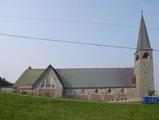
x,y
21,107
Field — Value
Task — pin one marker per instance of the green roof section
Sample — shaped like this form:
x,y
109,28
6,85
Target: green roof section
x,y
30,76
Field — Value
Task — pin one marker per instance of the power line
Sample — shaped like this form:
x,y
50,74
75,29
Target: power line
x,y
76,21
69,42
152,1
64,41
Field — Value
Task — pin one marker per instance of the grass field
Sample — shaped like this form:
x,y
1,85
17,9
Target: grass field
x,y
19,107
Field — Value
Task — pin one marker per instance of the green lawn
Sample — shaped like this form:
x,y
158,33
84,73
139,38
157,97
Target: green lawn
x,y
19,107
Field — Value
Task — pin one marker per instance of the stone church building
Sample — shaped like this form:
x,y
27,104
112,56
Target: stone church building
x,y
109,84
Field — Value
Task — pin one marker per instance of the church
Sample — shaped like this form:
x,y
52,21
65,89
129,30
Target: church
x,y
105,84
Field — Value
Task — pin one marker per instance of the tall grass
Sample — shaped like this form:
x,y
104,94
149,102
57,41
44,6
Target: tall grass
x,y
18,107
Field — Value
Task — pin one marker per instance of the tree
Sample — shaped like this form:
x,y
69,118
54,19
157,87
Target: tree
x,y
4,82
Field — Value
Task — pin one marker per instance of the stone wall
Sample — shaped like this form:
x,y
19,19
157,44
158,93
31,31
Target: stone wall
x,y
47,92
129,94
144,74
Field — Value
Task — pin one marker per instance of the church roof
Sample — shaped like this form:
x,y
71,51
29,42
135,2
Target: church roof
x,y
29,77
143,39
96,77
83,77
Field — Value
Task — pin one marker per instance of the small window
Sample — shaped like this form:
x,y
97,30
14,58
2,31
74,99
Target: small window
x,y
96,91
122,91
134,80
109,90
146,55
122,95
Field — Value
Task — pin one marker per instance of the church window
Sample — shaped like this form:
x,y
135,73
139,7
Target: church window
x,y
109,96
134,80
48,83
137,57
122,95
109,91
122,91
96,91
43,83
146,55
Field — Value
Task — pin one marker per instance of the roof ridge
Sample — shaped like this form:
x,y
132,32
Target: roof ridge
x,y
97,68
37,69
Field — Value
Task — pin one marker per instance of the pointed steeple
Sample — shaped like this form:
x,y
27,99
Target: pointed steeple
x,y
143,39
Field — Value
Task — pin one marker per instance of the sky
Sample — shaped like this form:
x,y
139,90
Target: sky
x,y
121,18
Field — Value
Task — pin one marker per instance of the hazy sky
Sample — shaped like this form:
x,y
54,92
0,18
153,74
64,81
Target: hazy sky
x,y
18,53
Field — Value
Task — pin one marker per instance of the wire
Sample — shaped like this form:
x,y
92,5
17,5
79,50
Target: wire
x,y
64,41
153,1
69,42
77,21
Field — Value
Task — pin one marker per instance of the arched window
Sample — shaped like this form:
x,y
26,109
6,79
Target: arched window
x,y
109,96
96,95
96,91
146,55
122,95
137,57
134,80
108,91
122,91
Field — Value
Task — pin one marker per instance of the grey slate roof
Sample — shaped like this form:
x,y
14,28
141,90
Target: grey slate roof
x,y
30,76
96,77
143,39
83,77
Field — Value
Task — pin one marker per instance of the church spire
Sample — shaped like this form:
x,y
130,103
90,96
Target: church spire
x,y
143,39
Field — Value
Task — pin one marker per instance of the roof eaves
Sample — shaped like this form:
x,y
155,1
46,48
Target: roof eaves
x,y
133,86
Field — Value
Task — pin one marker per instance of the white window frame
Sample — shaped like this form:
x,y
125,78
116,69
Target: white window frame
x,y
51,80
